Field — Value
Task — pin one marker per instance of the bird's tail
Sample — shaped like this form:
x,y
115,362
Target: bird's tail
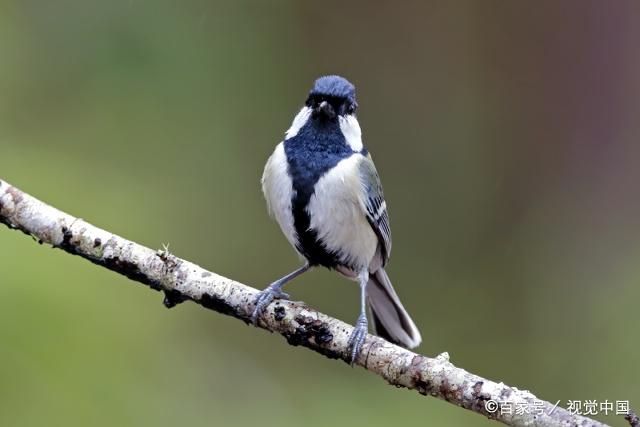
x,y
390,320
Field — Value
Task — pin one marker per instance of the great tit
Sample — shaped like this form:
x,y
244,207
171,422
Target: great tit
x,y
322,188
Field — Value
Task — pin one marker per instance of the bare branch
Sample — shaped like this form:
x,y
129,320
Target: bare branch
x,y
182,280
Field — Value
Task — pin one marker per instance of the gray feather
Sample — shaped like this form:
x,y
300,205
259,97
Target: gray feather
x,y
376,209
390,319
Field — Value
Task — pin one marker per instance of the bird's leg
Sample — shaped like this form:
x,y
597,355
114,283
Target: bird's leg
x,y
274,291
362,327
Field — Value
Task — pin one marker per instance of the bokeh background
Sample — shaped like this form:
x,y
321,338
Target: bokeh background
x,y
507,138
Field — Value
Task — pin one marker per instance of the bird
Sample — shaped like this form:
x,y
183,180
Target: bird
x,y
322,188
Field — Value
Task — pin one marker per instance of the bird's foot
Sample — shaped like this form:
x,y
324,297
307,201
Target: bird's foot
x,y
357,337
264,298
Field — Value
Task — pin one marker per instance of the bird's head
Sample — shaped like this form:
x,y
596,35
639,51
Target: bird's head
x,y
332,97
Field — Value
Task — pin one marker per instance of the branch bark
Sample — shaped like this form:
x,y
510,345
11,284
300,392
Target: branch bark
x,y
300,324
633,419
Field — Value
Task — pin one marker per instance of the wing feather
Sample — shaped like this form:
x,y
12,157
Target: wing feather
x,y
376,206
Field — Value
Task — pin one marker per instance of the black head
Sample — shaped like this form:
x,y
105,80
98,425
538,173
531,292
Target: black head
x,y
332,96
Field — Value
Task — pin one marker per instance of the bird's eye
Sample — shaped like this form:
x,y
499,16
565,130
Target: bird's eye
x,y
351,108
310,102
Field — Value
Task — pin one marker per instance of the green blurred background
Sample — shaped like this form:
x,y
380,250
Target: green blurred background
x,y
507,138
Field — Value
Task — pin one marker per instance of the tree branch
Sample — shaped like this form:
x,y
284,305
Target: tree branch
x,y
300,324
633,419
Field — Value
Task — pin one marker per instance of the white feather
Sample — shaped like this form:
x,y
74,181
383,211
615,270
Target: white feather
x,y
351,130
380,211
299,121
336,210
278,191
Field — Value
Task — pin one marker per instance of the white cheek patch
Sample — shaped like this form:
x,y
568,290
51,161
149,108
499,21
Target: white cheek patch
x,y
278,191
299,121
336,210
351,130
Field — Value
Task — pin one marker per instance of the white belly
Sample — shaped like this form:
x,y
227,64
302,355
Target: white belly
x,y
336,211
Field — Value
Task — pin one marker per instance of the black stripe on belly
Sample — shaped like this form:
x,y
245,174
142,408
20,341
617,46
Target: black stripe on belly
x,y
317,148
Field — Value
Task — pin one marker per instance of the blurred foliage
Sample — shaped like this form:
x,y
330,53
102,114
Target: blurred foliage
x,y
506,135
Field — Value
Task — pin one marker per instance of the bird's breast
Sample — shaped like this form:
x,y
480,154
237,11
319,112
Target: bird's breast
x,y
313,189
336,215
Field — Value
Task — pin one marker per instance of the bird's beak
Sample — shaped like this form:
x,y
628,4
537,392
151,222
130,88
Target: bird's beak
x,y
325,109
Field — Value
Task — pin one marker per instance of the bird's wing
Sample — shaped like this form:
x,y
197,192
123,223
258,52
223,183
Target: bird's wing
x,y
375,205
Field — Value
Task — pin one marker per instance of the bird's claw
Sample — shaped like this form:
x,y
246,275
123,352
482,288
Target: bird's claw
x,y
264,298
356,340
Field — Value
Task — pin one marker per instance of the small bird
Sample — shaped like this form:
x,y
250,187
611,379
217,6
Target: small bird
x,y
322,188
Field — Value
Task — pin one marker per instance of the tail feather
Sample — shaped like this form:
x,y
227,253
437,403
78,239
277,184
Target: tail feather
x,y
390,320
